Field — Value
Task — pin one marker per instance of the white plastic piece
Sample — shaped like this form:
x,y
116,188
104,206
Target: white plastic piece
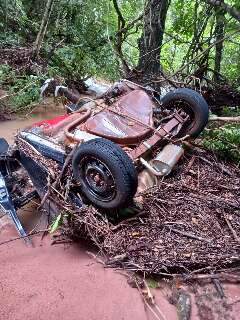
x,y
45,85
96,87
83,135
57,89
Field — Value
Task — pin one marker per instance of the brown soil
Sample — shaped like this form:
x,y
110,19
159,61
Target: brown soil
x,y
62,282
57,282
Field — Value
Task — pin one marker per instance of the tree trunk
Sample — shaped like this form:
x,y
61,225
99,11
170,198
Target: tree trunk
x,y
219,34
43,28
232,11
119,38
152,36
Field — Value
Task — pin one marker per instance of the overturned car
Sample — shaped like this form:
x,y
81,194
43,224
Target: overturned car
x,y
98,150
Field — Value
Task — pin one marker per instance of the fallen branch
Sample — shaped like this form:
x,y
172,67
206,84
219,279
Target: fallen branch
x,y
231,228
23,237
189,235
225,119
227,36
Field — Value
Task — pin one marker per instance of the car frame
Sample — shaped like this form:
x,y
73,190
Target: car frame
x,y
102,145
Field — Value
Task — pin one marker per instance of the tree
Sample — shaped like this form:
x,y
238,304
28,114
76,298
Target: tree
x,y
152,36
43,28
232,11
219,34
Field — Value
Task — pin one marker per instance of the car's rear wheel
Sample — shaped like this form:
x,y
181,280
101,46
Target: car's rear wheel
x,y
191,104
106,174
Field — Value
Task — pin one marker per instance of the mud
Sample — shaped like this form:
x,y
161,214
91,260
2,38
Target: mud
x,y
61,282
56,282
47,110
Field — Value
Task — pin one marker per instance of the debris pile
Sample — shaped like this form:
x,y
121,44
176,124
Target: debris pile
x,y
21,59
190,223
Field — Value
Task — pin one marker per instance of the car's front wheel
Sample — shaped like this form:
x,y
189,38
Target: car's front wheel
x,y
106,174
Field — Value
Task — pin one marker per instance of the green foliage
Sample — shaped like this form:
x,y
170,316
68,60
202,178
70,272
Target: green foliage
x,y
152,283
56,224
230,112
224,140
22,90
6,74
75,62
25,92
86,31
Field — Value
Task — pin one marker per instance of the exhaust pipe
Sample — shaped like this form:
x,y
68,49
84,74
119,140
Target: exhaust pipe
x,y
165,161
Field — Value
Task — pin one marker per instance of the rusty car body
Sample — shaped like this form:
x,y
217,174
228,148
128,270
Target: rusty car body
x,y
101,146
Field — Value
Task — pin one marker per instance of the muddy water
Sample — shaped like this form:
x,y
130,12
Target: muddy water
x,y
9,128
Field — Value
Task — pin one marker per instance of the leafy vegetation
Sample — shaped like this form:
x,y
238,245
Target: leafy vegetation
x,y
23,90
225,141
81,36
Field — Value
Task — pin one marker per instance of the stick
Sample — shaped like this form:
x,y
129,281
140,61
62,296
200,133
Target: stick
x,y
69,157
231,228
46,195
147,304
225,119
22,237
219,288
190,235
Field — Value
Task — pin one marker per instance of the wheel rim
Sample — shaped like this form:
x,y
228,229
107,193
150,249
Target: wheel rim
x,y
97,178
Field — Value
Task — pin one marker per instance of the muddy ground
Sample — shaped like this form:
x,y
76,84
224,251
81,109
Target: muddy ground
x,y
65,282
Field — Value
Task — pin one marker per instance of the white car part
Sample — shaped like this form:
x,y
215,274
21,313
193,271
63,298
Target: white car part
x,y
83,135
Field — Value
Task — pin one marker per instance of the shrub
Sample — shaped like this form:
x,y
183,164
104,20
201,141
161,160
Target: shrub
x,y
225,141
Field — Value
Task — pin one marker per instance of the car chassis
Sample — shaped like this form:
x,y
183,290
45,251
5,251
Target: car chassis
x,y
102,144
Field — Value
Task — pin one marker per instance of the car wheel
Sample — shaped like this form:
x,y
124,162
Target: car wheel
x,y
106,174
192,104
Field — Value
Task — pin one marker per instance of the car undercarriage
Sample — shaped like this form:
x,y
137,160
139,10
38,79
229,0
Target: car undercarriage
x,y
98,151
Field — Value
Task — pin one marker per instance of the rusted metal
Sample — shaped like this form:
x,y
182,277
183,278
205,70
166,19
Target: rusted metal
x,y
75,123
126,122
156,137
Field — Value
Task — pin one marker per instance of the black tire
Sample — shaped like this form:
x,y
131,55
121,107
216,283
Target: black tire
x,y
196,105
103,158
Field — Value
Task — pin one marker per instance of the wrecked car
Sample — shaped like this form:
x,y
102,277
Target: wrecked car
x,y
101,146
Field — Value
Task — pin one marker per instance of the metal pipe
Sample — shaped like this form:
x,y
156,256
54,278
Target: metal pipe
x,y
150,168
74,124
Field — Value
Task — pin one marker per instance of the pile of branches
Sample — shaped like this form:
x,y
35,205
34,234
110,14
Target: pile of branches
x,y
221,96
21,59
190,223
